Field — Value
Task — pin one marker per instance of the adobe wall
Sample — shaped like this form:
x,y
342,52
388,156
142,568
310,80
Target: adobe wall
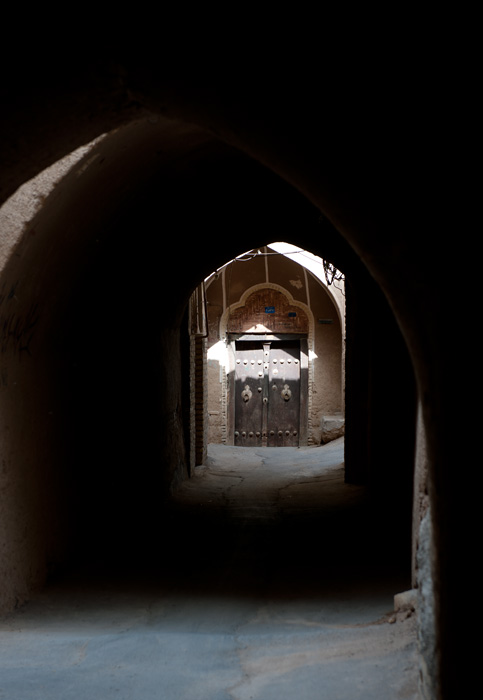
x,y
91,375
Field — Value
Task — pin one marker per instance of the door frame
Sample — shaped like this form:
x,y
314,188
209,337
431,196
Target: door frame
x,y
231,340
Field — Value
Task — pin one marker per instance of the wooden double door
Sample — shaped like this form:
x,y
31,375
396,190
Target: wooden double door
x,y
269,392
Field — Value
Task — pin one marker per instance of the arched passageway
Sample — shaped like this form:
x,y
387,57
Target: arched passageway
x,y
91,281
84,306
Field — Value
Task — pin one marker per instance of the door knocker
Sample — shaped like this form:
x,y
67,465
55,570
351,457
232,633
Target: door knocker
x,y
246,393
286,393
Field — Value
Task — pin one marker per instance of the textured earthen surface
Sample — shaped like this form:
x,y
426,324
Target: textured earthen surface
x,y
364,151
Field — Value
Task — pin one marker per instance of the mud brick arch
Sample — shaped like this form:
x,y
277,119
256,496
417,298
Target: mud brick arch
x,y
267,308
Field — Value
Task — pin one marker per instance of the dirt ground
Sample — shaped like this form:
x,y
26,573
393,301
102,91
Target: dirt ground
x,y
277,581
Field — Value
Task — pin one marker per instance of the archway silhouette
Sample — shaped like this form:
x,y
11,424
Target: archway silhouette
x,y
312,161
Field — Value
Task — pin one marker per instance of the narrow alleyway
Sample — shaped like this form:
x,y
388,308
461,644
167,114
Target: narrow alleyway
x,y
278,583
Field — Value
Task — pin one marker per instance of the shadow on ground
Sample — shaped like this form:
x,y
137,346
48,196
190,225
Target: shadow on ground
x,y
273,579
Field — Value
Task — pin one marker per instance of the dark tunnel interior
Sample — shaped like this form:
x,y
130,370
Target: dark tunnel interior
x,y
179,174
110,262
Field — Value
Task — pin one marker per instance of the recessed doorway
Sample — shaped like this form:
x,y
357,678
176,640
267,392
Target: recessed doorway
x,y
274,350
